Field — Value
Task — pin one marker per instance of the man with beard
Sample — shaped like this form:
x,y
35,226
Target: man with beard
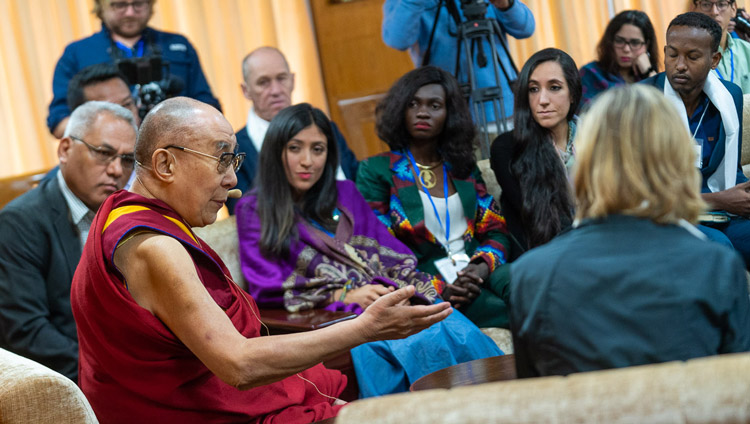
x,y
125,34
712,110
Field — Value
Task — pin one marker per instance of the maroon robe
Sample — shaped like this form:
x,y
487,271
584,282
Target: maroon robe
x,y
132,368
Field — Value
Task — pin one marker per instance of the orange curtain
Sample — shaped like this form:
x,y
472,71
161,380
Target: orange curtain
x,y
35,32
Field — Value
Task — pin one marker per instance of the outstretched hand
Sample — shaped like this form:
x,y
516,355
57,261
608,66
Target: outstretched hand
x,y
391,316
366,295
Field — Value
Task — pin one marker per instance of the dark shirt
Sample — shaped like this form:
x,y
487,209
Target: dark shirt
x,y
511,200
624,291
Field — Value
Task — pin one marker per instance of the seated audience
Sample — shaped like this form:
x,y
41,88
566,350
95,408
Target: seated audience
x,y
712,110
165,334
269,85
430,193
532,162
633,283
626,53
734,65
42,233
308,241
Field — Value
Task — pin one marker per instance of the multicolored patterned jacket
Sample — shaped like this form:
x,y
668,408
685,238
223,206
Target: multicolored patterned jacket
x,y
387,183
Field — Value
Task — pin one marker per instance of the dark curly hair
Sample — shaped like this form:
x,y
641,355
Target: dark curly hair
x,y
276,207
455,144
605,50
699,20
547,205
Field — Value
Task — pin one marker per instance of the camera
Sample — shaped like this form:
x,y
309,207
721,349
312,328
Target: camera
x,y
152,85
741,24
474,9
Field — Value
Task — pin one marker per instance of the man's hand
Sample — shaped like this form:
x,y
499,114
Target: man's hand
x,y
365,295
390,318
734,200
501,4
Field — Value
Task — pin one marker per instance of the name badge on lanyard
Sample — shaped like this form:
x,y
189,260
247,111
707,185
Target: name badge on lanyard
x,y
698,146
449,266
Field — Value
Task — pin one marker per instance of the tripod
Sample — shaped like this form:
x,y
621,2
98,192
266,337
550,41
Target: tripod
x,y
471,36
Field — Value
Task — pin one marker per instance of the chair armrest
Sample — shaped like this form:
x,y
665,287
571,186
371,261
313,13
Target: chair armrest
x,y
283,322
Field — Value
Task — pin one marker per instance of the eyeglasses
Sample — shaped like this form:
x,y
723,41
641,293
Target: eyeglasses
x,y
121,6
105,156
225,159
707,6
634,43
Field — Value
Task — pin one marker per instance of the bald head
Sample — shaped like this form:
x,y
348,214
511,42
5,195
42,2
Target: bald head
x,y
170,122
268,81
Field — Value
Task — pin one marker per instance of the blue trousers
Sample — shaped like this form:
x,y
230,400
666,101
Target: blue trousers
x,y
737,231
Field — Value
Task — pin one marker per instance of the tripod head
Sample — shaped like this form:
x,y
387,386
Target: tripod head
x,y
474,9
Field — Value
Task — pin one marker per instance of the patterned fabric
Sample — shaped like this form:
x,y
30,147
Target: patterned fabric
x,y
362,252
387,183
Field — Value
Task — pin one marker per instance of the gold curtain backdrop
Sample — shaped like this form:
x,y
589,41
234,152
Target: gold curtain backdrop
x,y
35,32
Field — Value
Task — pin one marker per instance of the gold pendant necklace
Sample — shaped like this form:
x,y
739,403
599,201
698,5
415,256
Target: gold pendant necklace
x,y
426,176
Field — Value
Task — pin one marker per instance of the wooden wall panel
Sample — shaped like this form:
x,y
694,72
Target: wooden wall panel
x,y
357,66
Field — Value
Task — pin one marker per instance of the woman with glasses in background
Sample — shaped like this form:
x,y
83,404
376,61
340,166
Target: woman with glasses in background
x,y
627,53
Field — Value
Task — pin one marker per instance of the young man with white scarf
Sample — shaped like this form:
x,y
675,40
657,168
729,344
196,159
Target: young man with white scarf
x,y
712,110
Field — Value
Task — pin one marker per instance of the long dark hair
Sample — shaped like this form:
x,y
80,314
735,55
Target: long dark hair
x,y
605,50
277,209
456,142
547,202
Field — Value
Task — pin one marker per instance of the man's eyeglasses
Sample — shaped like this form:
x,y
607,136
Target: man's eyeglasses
x,y
105,155
706,6
121,6
225,159
634,43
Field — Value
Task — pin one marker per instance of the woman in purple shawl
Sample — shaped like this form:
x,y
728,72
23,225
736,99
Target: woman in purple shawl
x,y
309,241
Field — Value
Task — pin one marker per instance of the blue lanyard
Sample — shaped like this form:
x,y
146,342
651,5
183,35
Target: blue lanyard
x,y
434,208
731,65
136,51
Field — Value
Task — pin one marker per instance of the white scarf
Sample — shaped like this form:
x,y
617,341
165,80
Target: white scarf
x,y
726,173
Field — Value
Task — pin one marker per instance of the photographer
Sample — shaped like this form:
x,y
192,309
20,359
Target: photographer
x,y
124,35
411,24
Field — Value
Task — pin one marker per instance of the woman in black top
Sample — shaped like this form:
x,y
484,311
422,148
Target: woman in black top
x,y
531,163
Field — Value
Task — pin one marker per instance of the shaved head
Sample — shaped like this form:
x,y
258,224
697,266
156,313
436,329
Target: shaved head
x,y
170,122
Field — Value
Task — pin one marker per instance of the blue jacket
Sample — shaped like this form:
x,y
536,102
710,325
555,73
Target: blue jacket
x,y
407,24
718,153
97,48
246,174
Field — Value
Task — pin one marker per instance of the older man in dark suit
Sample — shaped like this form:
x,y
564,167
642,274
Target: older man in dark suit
x,y
43,231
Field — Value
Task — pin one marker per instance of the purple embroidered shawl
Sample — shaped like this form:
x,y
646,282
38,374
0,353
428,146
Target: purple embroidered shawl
x,y
318,264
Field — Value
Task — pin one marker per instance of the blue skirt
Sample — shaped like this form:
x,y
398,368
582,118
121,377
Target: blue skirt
x,y
391,366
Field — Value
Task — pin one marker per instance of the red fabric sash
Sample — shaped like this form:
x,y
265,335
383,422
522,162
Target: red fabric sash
x,y
133,369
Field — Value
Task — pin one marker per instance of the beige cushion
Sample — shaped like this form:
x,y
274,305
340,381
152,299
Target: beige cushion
x,y
706,390
221,236
488,175
33,393
502,338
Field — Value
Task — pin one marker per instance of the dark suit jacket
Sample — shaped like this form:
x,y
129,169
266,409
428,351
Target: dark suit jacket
x,y
718,154
624,291
246,174
39,251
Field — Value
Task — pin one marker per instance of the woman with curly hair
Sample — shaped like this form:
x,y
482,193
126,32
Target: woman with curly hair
x,y
530,162
627,53
429,192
